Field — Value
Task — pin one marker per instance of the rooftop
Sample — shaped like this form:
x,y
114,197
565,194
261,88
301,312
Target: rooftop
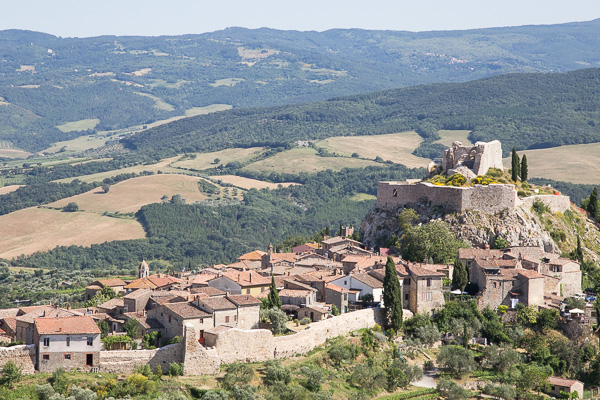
x,y
368,280
255,255
244,300
218,303
66,325
112,282
186,310
295,293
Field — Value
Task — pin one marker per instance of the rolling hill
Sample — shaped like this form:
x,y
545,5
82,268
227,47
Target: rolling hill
x,y
54,89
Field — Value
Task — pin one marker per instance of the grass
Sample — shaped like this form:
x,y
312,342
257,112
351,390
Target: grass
x,y
8,189
448,136
28,270
159,103
300,160
81,125
363,197
39,229
14,153
203,161
397,147
578,163
247,183
162,165
130,195
226,82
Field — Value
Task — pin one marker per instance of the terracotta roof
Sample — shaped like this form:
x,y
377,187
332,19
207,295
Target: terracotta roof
x,y
29,309
136,294
218,303
9,312
187,310
368,280
153,282
245,265
209,291
321,309
497,263
420,270
113,282
299,285
93,287
317,276
354,258
304,248
471,254
554,380
144,321
529,274
244,300
335,239
202,278
11,322
247,278
336,288
561,261
47,312
295,293
291,257
66,325
255,255
112,303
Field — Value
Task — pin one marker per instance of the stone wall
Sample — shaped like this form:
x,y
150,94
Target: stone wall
x,y
196,359
22,355
480,198
259,345
556,203
125,361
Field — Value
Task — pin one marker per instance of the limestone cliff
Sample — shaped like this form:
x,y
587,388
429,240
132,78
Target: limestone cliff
x,y
554,232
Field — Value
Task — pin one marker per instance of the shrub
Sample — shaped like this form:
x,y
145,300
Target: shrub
x,y
380,337
59,381
539,207
71,207
521,193
237,373
305,321
368,377
11,373
175,369
340,353
276,373
355,155
450,390
314,378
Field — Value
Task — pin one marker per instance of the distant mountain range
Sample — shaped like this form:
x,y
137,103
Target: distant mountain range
x,y
118,82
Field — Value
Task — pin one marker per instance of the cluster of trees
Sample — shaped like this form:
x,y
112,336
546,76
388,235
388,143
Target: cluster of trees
x,y
518,167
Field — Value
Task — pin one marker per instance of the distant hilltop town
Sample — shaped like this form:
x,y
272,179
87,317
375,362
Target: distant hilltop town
x,y
470,163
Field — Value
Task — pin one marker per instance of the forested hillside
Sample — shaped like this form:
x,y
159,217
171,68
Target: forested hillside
x,y
118,82
217,232
526,111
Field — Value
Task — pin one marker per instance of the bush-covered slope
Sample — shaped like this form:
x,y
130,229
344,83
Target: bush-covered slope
x,y
522,110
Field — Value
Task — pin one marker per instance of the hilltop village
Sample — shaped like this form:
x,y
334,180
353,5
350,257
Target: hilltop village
x,y
205,318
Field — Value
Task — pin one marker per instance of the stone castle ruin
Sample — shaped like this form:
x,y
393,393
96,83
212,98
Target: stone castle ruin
x,y
470,161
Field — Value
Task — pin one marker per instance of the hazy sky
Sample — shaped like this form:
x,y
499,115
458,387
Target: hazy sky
x,y
173,17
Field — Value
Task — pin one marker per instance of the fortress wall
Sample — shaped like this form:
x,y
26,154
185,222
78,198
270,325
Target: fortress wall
x,y
489,155
259,344
556,203
22,355
480,198
125,361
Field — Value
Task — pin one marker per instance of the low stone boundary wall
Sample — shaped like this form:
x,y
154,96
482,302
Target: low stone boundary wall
x,y
125,361
22,355
260,345
556,203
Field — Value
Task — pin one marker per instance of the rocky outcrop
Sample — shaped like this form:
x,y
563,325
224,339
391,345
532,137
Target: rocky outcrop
x,y
519,227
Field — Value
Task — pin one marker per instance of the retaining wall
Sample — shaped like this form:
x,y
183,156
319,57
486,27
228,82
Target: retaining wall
x,y
259,345
556,203
22,355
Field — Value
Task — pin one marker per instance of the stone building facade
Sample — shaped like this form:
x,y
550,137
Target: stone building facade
x,y
472,160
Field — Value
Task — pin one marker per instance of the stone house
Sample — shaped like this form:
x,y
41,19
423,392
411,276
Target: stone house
x,y
298,297
146,324
422,289
223,311
174,316
558,385
337,296
136,301
114,306
241,282
363,282
116,284
67,342
24,327
248,310
315,313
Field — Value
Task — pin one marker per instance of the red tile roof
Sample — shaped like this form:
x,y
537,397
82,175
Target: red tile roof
x,y
218,303
209,291
421,270
336,288
295,293
113,282
247,278
244,300
529,274
368,280
255,255
187,310
67,325
554,380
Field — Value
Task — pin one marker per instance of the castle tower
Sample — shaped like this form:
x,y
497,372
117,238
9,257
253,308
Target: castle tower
x,y
143,270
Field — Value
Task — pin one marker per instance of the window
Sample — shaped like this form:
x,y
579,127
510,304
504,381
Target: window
x,y
407,281
494,285
169,318
345,296
395,193
345,283
67,356
46,357
90,340
428,296
234,318
247,291
406,297
227,319
68,340
428,282
46,341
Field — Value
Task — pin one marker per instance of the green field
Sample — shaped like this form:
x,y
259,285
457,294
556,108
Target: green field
x,y
206,160
578,163
396,147
81,125
300,160
447,137
363,197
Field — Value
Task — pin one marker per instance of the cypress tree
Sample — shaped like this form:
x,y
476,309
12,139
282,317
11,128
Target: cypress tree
x,y
515,166
593,204
392,296
579,250
459,276
524,168
273,299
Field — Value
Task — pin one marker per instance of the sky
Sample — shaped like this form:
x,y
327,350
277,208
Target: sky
x,y
84,18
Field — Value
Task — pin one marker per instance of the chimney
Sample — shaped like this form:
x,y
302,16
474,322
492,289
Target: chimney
x,y
250,277
60,329
289,273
